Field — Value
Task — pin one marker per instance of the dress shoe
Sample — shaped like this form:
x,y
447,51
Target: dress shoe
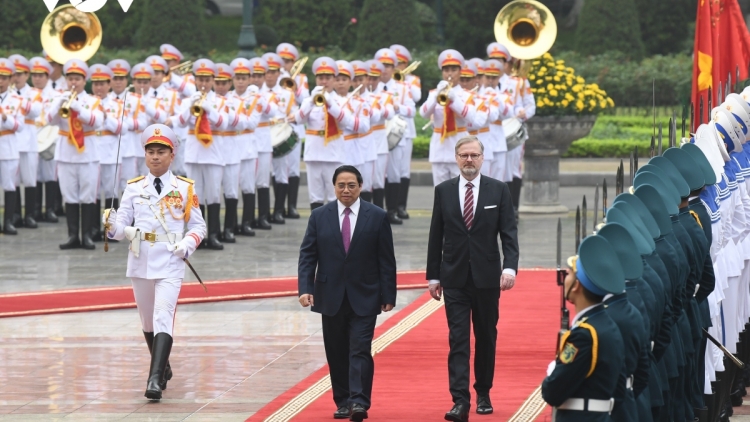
x,y
459,413
484,406
359,413
341,413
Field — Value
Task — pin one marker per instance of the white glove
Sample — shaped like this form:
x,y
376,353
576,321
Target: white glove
x,y
111,220
195,97
65,96
551,367
253,89
208,107
317,90
454,92
180,250
442,85
75,106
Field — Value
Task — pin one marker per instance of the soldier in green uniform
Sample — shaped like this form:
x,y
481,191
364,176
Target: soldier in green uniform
x,y
581,382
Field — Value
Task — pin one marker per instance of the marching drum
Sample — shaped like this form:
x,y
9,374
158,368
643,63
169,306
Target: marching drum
x,y
46,140
515,133
395,129
283,139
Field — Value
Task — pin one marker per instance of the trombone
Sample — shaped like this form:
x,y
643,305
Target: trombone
x,y
288,82
65,109
400,75
180,69
442,97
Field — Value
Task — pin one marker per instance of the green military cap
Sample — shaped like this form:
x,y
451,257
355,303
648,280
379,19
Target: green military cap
x,y
709,177
656,206
681,187
638,223
652,168
625,247
667,192
642,212
598,268
621,218
688,168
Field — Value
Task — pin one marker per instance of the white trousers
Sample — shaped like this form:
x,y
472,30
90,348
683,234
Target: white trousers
x,y
247,175
498,165
513,164
263,172
395,163
128,170
294,159
8,174
443,171
320,181
107,179
230,181
281,169
47,171
408,146
28,169
366,169
378,177
79,182
207,179
157,303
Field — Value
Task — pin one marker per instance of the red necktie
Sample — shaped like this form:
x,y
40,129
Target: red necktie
x,y
469,206
346,230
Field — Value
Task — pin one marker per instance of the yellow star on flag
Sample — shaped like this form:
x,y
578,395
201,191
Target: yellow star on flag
x,y
705,79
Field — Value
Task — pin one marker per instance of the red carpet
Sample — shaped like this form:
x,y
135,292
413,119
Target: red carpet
x,y
104,298
411,378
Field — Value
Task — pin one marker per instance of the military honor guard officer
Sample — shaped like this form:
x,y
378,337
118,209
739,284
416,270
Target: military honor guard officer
x,y
286,104
204,159
78,115
184,84
324,144
404,107
263,143
448,109
47,188
289,55
581,382
252,105
414,86
228,138
27,147
11,123
160,215
379,135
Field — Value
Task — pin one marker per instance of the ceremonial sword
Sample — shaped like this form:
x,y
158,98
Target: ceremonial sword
x,y
117,167
726,352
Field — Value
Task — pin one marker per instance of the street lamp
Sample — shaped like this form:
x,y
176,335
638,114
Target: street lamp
x,y
247,41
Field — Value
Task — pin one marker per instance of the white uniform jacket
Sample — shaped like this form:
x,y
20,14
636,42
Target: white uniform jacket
x,y
442,147
31,109
11,106
316,147
90,116
196,151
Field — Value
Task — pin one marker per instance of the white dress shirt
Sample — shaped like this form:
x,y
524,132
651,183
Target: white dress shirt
x,y
352,216
461,199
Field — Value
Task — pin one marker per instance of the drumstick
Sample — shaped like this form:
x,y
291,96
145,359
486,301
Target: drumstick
x,y
430,123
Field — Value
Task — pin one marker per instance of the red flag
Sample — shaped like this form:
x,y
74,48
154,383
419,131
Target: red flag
x,y
203,130
75,135
722,44
332,129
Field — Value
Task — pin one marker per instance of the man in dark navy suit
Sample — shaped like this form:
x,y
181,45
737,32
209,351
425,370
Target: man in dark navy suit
x,y
347,273
463,263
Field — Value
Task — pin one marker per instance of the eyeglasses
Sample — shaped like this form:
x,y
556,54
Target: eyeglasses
x,y
350,186
465,157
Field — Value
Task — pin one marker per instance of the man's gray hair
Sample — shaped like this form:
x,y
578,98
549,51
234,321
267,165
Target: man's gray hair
x,y
468,139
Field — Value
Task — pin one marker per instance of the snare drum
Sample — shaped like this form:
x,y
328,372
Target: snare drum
x,y
395,129
283,139
46,140
515,132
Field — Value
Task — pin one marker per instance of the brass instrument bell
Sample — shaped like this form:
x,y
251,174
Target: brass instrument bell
x,y
527,28
67,33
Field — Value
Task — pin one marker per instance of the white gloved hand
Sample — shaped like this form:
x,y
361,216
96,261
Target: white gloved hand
x,y
151,108
76,106
551,367
180,250
112,220
442,85
317,90
65,96
253,89
195,97
453,93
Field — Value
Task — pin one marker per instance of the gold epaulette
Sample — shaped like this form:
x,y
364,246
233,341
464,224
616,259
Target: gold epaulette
x,y
136,179
185,179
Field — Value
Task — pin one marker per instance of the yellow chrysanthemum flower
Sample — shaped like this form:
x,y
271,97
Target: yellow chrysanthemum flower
x,y
553,93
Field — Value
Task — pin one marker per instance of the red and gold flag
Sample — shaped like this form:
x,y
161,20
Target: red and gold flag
x,y
332,128
203,130
75,134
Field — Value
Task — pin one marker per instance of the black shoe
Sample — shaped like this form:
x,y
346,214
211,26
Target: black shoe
x,y
484,406
74,224
459,413
341,413
248,214
50,190
214,226
359,413
393,218
29,222
10,205
159,357
291,211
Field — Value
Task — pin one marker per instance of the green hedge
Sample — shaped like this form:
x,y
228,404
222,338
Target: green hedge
x,y
617,136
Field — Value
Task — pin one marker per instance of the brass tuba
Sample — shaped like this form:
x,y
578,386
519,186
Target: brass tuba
x,y
527,28
67,33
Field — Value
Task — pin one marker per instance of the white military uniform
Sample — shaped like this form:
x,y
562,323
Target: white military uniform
x,y
47,169
414,86
106,138
263,138
400,96
9,139
27,147
288,51
520,92
380,137
358,129
156,273
286,106
135,120
246,142
366,142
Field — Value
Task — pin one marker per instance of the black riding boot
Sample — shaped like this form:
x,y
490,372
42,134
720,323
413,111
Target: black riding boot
x,y
17,218
88,212
159,357
38,198
168,371
402,197
248,214
264,209
279,193
59,209
291,210
230,219
378,195
73,215
366,196
10,206
96,223
29,221
391,200
50,192
214,227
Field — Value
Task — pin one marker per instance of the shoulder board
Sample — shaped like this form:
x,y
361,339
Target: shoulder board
x,y
136,179
185,179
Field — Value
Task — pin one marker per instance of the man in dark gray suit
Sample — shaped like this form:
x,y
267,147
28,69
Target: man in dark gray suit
x,y
463,263
347,272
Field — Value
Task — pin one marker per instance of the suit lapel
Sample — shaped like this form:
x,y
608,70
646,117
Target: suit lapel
x,y
364,214
333,220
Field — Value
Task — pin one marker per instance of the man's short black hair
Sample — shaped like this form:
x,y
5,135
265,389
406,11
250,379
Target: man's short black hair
x,y
347,169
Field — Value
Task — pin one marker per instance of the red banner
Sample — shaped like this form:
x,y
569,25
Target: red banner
x,y
332,129
75,134
203,130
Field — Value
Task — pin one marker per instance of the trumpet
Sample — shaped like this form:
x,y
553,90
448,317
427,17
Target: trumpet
x,y
180,69
65,109
442,97
319,100
399,75
197,108
288,82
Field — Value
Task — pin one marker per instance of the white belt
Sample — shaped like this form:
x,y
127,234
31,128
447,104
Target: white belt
x,y
629,383
154,237
590,405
